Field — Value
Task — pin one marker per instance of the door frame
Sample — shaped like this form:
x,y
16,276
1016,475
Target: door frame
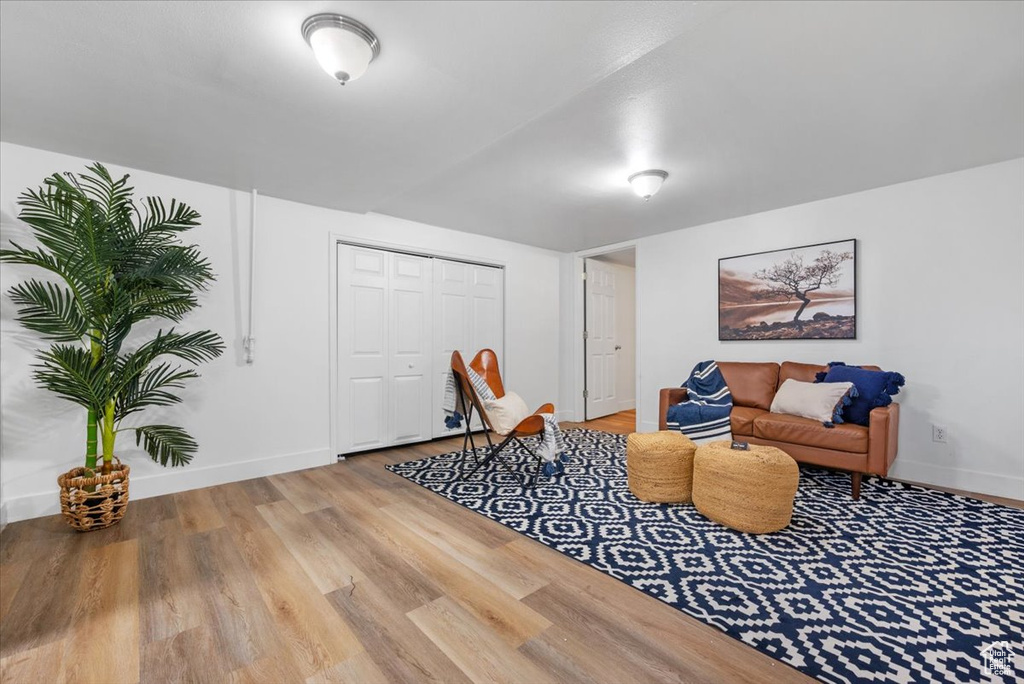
x,y
578,301
334,238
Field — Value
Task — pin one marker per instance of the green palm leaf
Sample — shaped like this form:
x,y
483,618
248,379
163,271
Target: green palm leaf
x,y
150,389
166,444
49,310
196,348
69,373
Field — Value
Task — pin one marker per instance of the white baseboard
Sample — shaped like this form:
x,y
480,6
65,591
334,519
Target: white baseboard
x,y
177,480
627,404
957,478
564,416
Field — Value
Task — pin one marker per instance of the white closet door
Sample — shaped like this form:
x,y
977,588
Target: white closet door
x,y
451,329
469,315
363,331
385,338
411,342
601,358
487,312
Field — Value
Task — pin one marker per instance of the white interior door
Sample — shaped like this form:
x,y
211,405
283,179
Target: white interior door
x,y
599,340
469,315
363,332
411,342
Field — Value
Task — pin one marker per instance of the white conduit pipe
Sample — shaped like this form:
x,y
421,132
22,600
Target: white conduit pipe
x,y
249,342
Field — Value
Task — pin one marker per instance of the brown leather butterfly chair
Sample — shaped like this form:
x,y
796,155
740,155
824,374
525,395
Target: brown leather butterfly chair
x,y
485,364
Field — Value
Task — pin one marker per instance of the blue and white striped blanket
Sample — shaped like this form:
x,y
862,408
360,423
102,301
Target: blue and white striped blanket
x,y
704,415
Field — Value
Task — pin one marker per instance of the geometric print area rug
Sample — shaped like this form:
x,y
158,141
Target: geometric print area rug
x,y
905,585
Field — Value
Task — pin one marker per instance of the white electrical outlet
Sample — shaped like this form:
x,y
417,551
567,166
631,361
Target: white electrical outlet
x,y
938,433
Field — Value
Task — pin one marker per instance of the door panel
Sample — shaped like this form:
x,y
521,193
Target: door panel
x,y
451,330
599,343
407,398
366,401
469,316
410,361
368,320
362,334
487,324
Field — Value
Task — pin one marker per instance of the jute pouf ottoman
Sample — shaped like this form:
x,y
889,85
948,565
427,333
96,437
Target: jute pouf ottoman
x,y
659,466
750,491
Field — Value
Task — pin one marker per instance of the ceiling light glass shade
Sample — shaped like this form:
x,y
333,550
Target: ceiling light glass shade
x,y
343,46
647,183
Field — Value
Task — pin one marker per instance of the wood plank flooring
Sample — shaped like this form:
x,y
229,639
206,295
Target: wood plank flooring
x,y
344,573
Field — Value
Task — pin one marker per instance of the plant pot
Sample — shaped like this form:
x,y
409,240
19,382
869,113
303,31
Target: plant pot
x,y
104,506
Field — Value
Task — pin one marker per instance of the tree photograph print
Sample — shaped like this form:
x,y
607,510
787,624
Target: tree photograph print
x,y
807,293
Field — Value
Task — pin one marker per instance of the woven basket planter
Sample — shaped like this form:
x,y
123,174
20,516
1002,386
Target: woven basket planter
x,y
93,510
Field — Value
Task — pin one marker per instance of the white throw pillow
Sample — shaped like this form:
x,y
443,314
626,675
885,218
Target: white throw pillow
x,y
506,413
817,401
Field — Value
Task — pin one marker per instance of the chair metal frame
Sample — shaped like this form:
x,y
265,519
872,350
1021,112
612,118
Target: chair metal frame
x,y
485,363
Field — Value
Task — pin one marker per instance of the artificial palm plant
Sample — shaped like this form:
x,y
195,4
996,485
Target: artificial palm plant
x,y
112,265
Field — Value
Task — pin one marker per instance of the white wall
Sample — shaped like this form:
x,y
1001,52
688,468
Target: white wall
x,y
270,417
940,288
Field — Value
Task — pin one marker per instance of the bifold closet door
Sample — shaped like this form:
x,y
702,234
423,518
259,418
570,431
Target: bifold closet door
x,y
469,315
410,362
384,341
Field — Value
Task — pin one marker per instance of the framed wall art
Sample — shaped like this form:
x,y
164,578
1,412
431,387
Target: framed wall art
x,y
800,293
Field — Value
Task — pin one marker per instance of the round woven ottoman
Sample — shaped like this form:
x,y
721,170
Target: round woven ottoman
x,y
750,491
659,466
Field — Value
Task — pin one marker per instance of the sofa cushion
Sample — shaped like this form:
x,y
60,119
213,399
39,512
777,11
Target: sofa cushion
x,y
804,372
822,401
751,384
874,388
782,427
742,419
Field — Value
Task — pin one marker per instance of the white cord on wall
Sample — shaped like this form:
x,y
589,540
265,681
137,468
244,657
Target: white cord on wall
x,y
249,341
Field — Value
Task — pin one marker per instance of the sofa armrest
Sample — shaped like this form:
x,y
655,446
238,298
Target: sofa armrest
x,y
883,438
669,396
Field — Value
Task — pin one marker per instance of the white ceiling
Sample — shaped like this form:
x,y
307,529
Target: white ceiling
x,y
522,119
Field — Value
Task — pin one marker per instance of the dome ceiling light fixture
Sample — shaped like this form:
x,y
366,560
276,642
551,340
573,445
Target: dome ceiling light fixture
x,y
343,46
647,183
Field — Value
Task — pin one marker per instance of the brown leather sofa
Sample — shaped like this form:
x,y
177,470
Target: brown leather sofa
x,y
855,448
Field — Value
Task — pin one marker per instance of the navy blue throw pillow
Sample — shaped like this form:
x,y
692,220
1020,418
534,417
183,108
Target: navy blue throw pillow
x,y
874,389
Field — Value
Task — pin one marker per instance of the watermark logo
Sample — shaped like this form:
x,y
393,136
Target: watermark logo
x,y
998,658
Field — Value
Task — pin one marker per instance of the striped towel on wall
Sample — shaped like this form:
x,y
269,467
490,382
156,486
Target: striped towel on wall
x,y
704,416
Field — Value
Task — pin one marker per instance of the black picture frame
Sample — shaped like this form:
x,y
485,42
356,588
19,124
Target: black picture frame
x,y
753,305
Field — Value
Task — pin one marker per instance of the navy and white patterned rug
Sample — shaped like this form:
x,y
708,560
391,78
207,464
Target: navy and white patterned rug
x,y
907,584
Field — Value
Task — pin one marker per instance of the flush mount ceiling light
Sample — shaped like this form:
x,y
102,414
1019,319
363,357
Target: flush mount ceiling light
x,y
343,46
647,183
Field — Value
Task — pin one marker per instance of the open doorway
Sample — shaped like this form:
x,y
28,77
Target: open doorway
x,y
609,338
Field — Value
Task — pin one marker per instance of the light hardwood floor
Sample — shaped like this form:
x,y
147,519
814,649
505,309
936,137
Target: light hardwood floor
x,y
344,573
